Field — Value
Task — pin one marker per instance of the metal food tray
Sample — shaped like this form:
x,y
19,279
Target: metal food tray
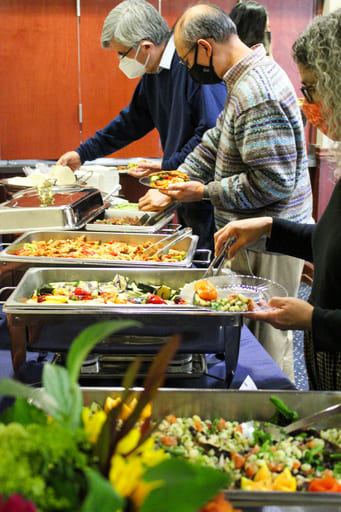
x,y
174,278
202,330
188,244
128,228
240,406
20,219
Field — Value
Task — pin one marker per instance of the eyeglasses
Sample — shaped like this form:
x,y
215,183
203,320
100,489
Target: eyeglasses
x,y
308,91
182,61
122,55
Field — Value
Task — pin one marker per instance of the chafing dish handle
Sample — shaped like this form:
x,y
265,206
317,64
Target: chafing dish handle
x,y
3,290
202,262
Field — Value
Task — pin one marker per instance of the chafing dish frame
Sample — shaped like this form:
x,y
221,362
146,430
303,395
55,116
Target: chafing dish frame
x,y
240,406
69,216
223,330
189,244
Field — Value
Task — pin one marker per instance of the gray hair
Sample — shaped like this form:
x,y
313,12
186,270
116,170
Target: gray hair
x,y
212,22
133,21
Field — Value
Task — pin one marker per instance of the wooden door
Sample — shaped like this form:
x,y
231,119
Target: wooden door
x,y
38,78
105,89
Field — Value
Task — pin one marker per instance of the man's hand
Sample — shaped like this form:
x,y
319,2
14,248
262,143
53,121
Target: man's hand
x,y
153,201
145,169
185,192
288,313
70,159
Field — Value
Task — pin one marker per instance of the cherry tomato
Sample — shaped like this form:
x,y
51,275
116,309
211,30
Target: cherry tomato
x,y
155,299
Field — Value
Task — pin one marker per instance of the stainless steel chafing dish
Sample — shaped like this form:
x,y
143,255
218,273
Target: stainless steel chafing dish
x,y
202,331
188,244
72,208
241,406
129,228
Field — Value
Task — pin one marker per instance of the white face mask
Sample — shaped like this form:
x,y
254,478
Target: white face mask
x,y
131,67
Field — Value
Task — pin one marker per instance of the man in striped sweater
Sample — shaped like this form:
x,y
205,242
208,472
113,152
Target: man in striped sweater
x,y
253,162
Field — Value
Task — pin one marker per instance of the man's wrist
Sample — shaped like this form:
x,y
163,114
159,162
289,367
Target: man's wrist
x,y
205,194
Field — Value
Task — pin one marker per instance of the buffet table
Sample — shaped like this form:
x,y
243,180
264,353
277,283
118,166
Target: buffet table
x,y
253,360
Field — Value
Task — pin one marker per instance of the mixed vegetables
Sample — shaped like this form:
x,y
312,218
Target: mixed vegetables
x,y
206,295
303,462
120,290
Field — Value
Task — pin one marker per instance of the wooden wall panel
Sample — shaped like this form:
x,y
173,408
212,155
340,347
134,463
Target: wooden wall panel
x,y
287,19
39,82
105,89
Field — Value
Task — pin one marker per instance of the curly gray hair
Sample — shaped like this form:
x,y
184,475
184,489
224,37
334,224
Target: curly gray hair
x,y
319,49
133,21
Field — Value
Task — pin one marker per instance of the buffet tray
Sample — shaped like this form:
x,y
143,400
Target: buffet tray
x,y
112,228
188,244
202,330
74,206
240,406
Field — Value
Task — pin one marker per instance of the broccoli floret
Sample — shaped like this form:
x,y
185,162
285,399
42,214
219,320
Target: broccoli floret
x,y
44,464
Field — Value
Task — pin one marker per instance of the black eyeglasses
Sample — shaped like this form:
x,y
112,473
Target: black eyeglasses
x,y
122,55
182,61
307,92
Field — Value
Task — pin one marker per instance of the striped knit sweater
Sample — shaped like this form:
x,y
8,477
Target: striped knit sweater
x,y
254,159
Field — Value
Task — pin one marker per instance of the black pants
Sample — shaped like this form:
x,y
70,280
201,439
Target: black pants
x,y
200,217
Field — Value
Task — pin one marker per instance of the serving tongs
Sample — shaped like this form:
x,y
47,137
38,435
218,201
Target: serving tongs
x,y
313,419
151,220
218,259
163,245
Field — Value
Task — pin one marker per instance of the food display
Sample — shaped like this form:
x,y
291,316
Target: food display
x,y
120,290
206,295
61,175
165,178
82,247
119,221
306,461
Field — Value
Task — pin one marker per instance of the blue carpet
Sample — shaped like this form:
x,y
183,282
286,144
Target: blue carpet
x,y
301,379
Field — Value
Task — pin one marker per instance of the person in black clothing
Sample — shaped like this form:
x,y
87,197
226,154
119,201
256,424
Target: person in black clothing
x,y
252,22
166,98
317,53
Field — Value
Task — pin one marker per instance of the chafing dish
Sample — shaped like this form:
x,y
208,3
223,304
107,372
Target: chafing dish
x,y
240,406
202,331
72,208
128,228
188,244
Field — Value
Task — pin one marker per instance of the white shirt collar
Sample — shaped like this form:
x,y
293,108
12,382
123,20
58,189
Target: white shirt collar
x,y
167,56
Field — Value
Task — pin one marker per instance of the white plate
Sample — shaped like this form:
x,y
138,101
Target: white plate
x,y
258,289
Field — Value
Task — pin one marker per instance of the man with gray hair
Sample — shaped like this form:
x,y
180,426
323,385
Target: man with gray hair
x,y
253,162
166,98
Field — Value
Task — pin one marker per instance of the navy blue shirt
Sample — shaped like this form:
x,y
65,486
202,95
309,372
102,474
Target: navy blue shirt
x,y
170,101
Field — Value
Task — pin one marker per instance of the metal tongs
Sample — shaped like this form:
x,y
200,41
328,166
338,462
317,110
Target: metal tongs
x,y
151,220
221,256
163,245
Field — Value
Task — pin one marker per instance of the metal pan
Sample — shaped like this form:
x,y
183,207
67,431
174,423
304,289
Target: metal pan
x,y
202,330
74,207
112,228
188,244
241,406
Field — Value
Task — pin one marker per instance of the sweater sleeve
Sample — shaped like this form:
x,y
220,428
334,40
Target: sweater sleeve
x,y
269,173
291,238
132,123
326,329
206,102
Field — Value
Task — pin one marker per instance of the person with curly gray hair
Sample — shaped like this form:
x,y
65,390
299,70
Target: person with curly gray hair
x,y
166,98
317,52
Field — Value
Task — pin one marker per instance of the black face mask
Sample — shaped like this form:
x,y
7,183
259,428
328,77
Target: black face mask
x,y
203,74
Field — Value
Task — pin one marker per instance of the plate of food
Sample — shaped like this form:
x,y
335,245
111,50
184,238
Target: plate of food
x,y
163,179
232,293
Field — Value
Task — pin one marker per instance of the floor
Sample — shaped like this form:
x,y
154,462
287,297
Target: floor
x,y
301,380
